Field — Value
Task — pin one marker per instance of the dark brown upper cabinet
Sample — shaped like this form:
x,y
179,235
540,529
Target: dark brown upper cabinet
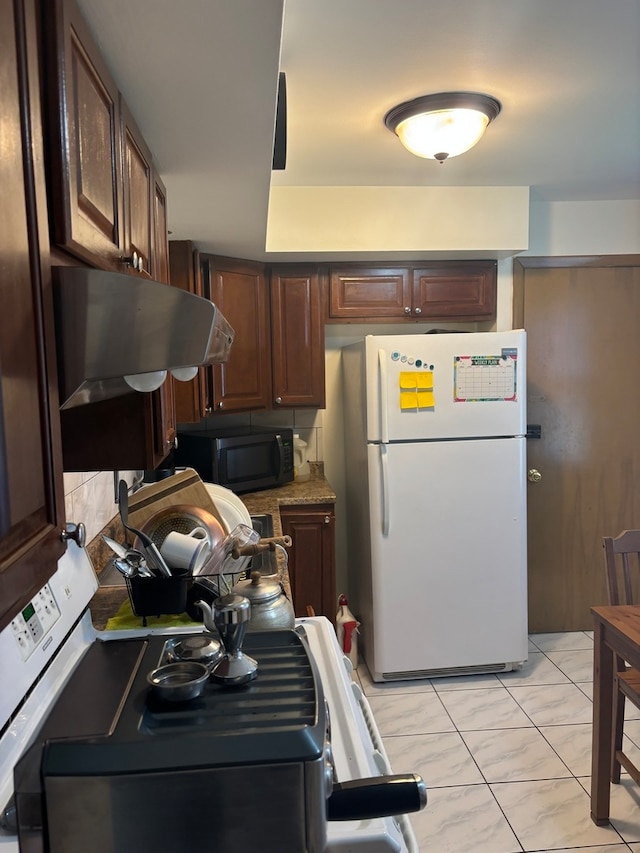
x,y
240,290
193,399
415,292
85,153
297,338
32,515
138,190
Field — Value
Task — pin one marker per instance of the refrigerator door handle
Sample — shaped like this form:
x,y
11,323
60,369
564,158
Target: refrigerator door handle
x,y
384,467
384,409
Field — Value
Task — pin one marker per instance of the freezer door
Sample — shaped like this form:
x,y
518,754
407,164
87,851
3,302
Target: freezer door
x,y
448,555
445,386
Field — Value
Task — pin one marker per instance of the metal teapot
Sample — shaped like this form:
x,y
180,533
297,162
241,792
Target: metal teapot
x,y
270,607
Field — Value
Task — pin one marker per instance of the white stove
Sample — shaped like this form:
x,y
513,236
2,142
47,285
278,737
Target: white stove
x,y
41,647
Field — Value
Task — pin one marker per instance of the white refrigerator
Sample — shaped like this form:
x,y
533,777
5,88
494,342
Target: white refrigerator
x,y
435,460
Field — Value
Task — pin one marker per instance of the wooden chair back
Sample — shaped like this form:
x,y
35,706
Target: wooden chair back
x,y
622,564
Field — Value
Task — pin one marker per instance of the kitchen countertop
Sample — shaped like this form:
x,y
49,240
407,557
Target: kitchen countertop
x,y
315,490
108,599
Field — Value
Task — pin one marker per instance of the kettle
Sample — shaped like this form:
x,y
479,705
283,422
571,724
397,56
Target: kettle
x,y
270,607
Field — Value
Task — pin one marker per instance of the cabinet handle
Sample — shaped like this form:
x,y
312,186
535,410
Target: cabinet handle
x,y
278,401
221,405
208,410
136,261
327,519
77,532
418,311
407,310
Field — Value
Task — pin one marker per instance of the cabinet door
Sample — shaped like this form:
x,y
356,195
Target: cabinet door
x,y
164,402
192,401
138,194
368,292
311,557
239,290
85,155
455,291
160,247
31,487
297,339
164,420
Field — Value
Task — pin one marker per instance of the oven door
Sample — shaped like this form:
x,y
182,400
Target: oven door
x,y
357,748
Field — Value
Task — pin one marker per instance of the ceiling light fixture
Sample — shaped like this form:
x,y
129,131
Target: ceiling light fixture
x,y
442,125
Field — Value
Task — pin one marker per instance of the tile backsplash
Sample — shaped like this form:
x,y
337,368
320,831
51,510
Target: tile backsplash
x,y
308,423
90,498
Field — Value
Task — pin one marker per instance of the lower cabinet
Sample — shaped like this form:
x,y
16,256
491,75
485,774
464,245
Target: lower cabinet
x,y
311,557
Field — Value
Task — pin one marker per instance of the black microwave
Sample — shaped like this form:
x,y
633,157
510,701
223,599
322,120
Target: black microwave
x,y
244,459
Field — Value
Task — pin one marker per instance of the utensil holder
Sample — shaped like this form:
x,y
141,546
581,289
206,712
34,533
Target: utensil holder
x,y
159,596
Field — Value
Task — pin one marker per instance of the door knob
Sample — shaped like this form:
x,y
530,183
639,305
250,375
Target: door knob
x,y
534,476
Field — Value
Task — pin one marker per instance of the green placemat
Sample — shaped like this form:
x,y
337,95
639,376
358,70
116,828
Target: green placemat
x,y
125,619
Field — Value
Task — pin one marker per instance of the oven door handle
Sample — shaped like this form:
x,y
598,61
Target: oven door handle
x,y
380,796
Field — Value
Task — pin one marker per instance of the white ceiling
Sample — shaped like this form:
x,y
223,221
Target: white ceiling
x,y
201,78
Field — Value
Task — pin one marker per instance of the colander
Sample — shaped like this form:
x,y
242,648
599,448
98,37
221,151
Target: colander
x,y
182,518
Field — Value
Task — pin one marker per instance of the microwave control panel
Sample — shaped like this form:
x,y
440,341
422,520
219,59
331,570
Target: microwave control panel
x,y
33,623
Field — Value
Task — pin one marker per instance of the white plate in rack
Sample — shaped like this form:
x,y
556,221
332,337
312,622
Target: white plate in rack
x,y
232,510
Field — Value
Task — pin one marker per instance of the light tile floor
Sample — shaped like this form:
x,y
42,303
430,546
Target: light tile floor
x,y
506,758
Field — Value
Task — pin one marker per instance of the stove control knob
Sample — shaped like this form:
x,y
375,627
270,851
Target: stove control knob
x,y
329,768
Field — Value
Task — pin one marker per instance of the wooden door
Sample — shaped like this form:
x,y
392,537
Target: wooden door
x,y
297,339
583,357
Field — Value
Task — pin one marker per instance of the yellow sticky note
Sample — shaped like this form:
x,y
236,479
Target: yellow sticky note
x,y
425,400
408,379
408,400
425,380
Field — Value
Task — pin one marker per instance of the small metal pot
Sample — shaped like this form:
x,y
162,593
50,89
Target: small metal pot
x,y
178,682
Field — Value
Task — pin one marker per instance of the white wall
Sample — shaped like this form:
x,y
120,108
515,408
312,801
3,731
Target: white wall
x,y
584,228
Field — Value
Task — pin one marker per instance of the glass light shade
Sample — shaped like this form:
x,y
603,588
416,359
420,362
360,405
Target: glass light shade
x,y
444,132
146,381
442,125
184,374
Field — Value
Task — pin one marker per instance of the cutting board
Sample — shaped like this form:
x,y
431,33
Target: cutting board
x,y
185,487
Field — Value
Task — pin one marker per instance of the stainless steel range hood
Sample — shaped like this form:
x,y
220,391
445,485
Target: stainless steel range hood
x,y
111,325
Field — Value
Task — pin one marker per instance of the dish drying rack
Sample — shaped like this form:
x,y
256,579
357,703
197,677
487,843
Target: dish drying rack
x,y
156,596
242,541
